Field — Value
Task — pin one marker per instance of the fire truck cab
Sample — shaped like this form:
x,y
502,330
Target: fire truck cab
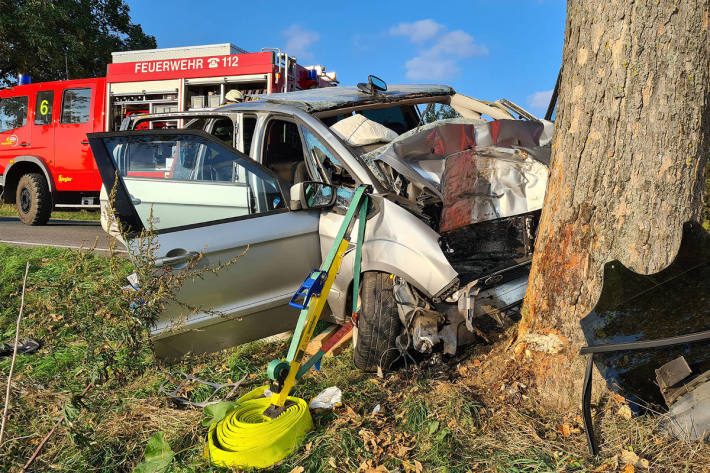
x,y
45,158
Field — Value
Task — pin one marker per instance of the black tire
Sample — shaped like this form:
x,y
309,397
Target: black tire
x,y
378,325
33,199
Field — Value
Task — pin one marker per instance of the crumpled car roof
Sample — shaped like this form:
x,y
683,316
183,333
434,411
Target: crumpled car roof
x,y
329,98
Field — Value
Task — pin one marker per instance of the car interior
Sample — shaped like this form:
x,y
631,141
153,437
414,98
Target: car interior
x,y
283,151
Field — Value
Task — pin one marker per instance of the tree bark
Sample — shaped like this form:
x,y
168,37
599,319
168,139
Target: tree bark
x,y
631,141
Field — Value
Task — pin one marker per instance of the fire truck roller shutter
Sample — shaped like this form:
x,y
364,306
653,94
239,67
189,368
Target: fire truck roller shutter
x,y
151,86
227,80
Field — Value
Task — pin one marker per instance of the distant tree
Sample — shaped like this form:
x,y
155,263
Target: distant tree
x,y
64,39
435,112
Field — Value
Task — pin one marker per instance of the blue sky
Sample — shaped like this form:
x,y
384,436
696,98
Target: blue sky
x,y
485,49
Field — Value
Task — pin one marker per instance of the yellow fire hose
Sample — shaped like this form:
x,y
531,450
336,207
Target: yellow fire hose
x,y
263,430
248,438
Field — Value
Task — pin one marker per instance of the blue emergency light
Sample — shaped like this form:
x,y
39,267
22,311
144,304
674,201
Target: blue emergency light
x,y
23,79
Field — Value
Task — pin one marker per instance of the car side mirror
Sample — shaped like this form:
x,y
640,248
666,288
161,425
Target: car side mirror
x,y
312,195
373,85
376,83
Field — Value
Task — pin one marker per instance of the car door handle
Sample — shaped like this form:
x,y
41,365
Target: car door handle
x,y
24,143
85,142
183,256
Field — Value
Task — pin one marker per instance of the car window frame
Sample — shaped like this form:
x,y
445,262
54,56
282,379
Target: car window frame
x,y
254,133
235,127
265,129
126,209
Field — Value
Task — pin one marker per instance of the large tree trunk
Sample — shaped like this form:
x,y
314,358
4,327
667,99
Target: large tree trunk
x,y
628,161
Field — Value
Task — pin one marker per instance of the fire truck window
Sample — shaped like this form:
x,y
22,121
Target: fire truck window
x,y
248,125
328,167
13,112
223,129
43,107
76,106
283,150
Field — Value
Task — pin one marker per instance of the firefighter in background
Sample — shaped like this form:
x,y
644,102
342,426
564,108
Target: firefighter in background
x,y
233,96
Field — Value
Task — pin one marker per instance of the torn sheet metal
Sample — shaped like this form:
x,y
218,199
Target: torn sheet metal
x,y
497,168
689,417
490,183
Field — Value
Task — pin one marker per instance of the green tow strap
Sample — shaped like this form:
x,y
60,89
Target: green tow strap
x,y
358,253
359,202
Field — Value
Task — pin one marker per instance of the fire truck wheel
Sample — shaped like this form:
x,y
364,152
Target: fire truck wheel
x,y
378,325
33,199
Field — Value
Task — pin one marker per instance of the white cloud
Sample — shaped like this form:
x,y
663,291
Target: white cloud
x,y
299,41
431,69
419,31
439,61
540,100
456,43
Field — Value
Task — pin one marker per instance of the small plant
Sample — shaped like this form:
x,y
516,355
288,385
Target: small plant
x,y
95,333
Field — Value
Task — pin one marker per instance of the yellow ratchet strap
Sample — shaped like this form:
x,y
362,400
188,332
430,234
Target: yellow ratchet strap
x,y
315,308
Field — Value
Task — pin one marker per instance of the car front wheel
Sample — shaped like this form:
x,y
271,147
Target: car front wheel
x,y
378,325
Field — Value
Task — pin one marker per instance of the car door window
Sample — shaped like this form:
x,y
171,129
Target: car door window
x,y
190,178
283,151
13,112
43,107
324,163
76,105
223,129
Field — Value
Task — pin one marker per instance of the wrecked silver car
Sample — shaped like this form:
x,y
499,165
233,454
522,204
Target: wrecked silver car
x,y
448,239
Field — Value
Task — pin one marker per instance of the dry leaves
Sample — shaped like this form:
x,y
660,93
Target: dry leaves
x,y
629,468
412,468
366,467
624,412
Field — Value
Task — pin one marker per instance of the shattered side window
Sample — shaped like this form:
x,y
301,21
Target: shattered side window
x,y
328,167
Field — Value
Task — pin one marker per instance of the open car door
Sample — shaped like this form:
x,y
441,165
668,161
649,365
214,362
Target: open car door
x,y
198,195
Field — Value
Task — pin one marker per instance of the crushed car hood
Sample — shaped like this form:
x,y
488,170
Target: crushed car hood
x,y
479,170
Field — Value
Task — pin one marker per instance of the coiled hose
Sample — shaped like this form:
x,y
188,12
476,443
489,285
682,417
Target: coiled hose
x,y
247,438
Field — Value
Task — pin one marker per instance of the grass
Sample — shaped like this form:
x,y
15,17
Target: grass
x,y
436,419
7,210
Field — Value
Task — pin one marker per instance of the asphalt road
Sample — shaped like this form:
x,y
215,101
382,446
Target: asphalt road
x,y
72,234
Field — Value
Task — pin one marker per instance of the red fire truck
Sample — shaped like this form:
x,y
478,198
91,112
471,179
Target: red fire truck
x,y
45,159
